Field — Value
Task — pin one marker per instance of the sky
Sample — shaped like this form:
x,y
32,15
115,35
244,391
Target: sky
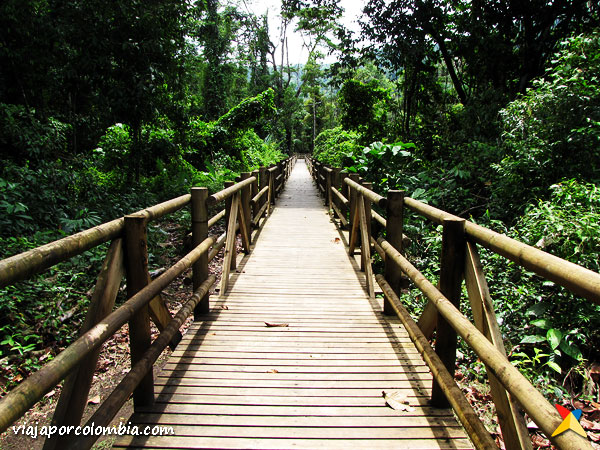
x,y
352,10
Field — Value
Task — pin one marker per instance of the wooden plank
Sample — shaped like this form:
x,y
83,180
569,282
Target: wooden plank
x,y
233,382
267,444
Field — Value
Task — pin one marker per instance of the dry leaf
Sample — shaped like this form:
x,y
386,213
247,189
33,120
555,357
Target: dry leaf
x,y
50,394
540,441
224,307
276,324
94,400
337,240
273,371
397,400
589,425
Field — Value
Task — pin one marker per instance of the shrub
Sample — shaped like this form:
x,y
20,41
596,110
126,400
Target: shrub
x,y
553,131
335,145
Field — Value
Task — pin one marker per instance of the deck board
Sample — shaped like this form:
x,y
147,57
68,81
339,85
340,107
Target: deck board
x,y
235,383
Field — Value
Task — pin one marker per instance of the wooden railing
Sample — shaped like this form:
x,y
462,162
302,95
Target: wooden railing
x,y
350,201
245,204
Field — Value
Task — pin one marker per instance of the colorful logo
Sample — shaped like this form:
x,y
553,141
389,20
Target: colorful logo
x,y
570,421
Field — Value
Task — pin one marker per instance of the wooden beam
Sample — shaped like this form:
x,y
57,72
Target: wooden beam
x,y
512,422
74,395
230,252
136,244
199,233
451,275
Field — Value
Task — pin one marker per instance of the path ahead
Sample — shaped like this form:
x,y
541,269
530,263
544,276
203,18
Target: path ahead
x,y
234,382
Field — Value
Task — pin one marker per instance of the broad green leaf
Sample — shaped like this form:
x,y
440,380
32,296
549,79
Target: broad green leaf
x,y
538,309
533,339
554,366
542,323
554,337
571,349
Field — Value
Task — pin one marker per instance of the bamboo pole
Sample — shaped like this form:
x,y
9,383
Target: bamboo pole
x,y
214,219
256,199
368,219
245,211
111,406
465,413
394,227
343,200
14,404
253,192
374,197
259,215
74,395
230,253
199,233
532,401
365,245
512,422
228,191
577,279
262,183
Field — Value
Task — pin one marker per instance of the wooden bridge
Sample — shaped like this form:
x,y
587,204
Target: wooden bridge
x,y
294,349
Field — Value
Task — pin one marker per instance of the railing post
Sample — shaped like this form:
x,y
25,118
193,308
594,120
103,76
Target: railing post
x,y
367,207
136,244
262,182
76,387
245,208
393,232
352,198
253,192
451,275
199,234
328,184
227,214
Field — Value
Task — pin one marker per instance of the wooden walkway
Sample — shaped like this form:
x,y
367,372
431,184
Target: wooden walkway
x,y
234,382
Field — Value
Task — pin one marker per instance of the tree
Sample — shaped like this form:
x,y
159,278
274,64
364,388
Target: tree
x,y
364,108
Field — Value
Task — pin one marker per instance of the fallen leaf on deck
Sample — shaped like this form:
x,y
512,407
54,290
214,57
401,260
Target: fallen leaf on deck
x,y
273,371
224,307
94,400
276,324
337,240
397,400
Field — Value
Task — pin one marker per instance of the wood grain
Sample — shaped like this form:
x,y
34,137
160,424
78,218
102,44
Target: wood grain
x,y
233,382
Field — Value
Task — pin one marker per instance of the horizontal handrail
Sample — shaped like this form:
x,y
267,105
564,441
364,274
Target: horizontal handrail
x,y
218,197
579,280
258,196
30,391
214,219
343,200
532,401
111,406
26,264
374,197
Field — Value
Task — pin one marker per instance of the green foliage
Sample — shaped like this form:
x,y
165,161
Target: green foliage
x,y
364,108
25,137
553,131
223,137
333,146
